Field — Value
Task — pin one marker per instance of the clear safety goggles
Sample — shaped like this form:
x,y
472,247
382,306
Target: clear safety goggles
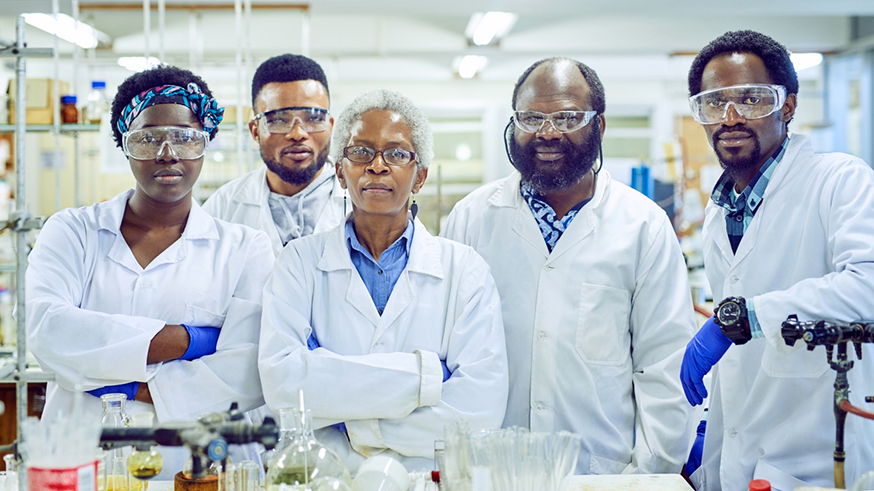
x,y
752,101
311,119
148,143
361,154
562,121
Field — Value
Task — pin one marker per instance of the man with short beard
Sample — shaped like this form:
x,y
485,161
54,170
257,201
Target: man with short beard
x,y
594,293
786,231
295,193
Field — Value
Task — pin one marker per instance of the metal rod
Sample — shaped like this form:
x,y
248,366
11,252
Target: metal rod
x,y
20,237
56,161
147,28
196,6
250,159
162,7
238,17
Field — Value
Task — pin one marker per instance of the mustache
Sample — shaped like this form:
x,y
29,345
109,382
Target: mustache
x,y
733,129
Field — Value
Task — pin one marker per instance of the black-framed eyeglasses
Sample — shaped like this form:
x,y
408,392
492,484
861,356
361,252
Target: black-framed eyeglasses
x,y
562,121
361,154
311,119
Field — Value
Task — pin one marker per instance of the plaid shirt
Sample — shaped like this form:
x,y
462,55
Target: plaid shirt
x,y
550,226
740,209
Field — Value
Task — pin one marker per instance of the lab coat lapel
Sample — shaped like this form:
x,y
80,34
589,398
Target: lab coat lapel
x,y
524,224
424,259
336,257
112,213
584,223
714,225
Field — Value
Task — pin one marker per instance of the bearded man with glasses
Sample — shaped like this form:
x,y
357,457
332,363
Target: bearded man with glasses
x,y
593,286
786,232
296,193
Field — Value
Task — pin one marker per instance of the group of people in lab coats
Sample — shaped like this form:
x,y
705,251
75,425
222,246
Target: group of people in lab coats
x,y
556,299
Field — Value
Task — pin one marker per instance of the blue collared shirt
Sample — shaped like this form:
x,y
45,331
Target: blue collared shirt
x,y
380,276
551,227
741,209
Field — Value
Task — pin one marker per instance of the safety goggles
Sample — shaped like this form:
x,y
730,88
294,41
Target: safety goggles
x,y
148,143
562,121
311,119
752,101
360,154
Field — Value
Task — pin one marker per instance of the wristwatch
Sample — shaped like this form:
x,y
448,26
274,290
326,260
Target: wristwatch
x,y
731,317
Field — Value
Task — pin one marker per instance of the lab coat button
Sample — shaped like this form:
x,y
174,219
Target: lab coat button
x,y
733,279
549,267
542,335
732,433
377,345
540,408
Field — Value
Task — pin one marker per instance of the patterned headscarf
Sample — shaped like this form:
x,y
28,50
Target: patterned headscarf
x,y
203,106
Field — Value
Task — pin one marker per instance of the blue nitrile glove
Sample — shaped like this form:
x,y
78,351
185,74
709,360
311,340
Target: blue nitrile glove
x,y
312,342
702,352
341,427
202,341
694,461
446,372
129,389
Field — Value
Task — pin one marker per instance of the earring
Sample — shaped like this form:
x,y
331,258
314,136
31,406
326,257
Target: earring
x,y
344,203
414,208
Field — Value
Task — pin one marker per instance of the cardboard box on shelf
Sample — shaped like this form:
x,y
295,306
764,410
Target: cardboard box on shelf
x,y
230,115
40,99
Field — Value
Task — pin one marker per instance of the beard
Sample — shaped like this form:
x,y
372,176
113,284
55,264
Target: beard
x,y
736,164
545,178
297,176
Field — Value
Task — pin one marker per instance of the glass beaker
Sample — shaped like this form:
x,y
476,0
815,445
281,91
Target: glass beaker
x,y
11,483
114,475
305,459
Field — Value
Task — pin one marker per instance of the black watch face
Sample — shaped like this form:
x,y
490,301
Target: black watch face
x,y
729,313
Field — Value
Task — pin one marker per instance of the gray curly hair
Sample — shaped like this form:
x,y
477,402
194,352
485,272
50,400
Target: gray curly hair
x,y
423,140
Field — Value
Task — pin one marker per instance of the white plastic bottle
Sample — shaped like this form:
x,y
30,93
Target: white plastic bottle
x,y
97,103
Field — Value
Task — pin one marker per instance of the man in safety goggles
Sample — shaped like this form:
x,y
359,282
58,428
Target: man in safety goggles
x,y
295,193
594,291
786,232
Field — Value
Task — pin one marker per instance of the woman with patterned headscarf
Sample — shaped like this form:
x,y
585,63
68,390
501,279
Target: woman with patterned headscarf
x,y
146,294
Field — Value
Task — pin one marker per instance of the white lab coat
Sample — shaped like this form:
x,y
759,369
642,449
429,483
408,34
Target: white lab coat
x,y
596,329
381,375
92,312
809,250
245,200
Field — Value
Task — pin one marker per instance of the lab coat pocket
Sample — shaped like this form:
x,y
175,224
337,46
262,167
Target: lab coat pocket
x,y
797,364
602,330
780,481
200,317
600,465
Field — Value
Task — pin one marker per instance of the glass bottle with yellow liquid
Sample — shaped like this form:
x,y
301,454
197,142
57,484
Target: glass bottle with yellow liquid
x,y
113,475
304,459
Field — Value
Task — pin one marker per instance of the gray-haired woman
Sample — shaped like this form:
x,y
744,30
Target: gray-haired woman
x,y
391,332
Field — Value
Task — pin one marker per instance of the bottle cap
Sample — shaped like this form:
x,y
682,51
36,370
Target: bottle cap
x,y
435,476
760,485
68,99
98,84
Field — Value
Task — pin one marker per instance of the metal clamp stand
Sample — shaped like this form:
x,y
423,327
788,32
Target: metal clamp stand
x,y
831,334
20,51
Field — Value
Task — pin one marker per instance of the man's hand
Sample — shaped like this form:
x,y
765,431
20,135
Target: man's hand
x,y
129,389
702,352
202,341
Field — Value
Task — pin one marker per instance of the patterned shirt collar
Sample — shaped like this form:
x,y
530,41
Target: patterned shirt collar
x,y
725,196
550,226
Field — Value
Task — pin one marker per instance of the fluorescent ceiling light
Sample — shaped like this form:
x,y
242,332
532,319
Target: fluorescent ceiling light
x,y
85,36
805,60
470,64
138,63
484,28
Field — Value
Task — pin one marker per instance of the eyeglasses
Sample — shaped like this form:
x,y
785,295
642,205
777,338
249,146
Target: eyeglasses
x,y
311,119
148,143
562,121
752,101
360,154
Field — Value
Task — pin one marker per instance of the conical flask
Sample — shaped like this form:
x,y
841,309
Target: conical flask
x,y
114,475
305,459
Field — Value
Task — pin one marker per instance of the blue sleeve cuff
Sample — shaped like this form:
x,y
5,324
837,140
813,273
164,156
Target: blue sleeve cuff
x,y
755,328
